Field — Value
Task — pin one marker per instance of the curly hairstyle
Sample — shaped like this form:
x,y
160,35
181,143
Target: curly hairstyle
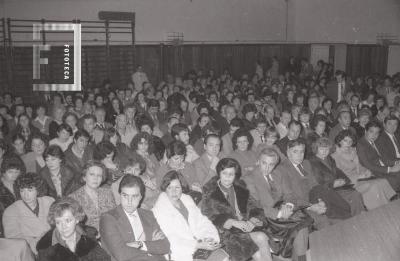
x,y
173,175
227,163
61,205
242,133
138,138
28,180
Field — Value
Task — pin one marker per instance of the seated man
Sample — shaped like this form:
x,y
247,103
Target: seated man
x,y
371,157
293,134
262,188
131,233
344,122
296,183
205,165
387,142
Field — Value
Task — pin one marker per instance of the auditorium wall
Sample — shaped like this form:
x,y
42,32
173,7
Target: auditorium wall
x,y
348,21
198,20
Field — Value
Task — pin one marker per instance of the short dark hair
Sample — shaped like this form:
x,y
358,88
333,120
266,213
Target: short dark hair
x,y
294,122
236,122
296,142
226,163
176,147
316,119
132,160
178,128
138,138
64,126
129,181
212,135
87,117
81,133
102,149
28,180
143,121
373,124
153,103
240,133
12,162
249,107
343,134
54,151
391,118
173,175
67,114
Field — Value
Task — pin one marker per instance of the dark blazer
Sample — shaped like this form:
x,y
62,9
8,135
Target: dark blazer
x,y
217,208
76,164
87,249
369,158
332,89
263,192
116,231
386,148
282,145
327,173
360,131
69,182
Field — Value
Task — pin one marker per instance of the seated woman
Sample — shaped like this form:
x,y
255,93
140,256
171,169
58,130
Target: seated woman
x,y
227,203
26,129
137,167
18,144
94,199
59,179
104,152
192,230
328,175
68,241
242,142
140,145
175,154
121,150
375,192
64,137
27,218
318,125
271,136
34,160
10,169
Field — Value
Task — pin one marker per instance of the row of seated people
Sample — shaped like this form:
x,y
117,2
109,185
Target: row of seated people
x,y
339,204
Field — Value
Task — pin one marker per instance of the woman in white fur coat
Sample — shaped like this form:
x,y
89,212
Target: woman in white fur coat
x,y
186,228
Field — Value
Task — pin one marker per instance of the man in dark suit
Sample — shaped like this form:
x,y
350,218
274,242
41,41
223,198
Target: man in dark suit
x,y
387,142
293,134
338,88
344,122
354,107
294,180
263,189
371,157
131,233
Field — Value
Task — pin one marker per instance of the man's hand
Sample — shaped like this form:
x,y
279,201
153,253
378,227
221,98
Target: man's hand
x,y
256,222
319,208
158,235
286,211
135,244
338,183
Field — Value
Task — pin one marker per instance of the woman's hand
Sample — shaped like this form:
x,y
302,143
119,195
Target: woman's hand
x,y
208,244
256,222
135,244
338,183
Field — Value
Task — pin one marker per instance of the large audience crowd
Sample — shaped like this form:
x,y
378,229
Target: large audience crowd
x,y
199,167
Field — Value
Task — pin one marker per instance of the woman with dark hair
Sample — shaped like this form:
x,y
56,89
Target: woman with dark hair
x,y
94,198
330,176
375,191
140,145
10,169
68,241
116,108
34,160
318,125
141,102
104,152
249,110
64,137
122,151
26,129
31,209
71,119
175,154
242,142
229,206
3,127
59,179
192,230
156,145
79,152
18,144
327,104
